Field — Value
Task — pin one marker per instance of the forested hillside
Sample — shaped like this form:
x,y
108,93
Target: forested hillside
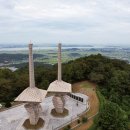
x,y
111,75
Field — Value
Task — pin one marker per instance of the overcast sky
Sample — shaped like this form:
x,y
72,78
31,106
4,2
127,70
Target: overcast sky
x,y
98,22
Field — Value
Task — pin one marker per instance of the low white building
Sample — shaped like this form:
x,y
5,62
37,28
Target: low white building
x,y
80,98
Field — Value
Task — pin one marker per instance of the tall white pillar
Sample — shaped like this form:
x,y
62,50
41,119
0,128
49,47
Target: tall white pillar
x,y
31,67
59,63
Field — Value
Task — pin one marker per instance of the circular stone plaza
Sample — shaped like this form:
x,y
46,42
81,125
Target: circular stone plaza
x,y
38,110
14,118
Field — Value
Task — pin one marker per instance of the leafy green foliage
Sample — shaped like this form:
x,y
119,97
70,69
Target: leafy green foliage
x,y
112,117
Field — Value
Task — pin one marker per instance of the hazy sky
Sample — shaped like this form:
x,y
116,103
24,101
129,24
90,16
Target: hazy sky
x,y
69,21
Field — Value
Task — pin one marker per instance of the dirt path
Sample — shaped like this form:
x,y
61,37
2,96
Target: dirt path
x,y
88,89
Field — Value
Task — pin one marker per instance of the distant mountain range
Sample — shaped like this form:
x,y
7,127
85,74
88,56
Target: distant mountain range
x,y
10,45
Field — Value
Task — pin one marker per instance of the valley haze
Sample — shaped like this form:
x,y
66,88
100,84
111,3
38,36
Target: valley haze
x,y
16,55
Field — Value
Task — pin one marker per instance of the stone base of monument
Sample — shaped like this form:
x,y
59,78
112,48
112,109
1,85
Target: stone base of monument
x,y
59,103
63,114
28,126
34,110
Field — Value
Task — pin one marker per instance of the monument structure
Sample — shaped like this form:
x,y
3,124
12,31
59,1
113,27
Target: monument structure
x,y
32,96
59,87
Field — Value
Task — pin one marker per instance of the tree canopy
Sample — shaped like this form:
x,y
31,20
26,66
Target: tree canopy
x,y
112,117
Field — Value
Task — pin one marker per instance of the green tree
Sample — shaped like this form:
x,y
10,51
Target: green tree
x,y
5,90
96,77
112,117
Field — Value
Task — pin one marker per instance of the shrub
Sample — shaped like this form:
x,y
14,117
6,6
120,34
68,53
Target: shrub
x,y
8,104
78,121
84,119
67,127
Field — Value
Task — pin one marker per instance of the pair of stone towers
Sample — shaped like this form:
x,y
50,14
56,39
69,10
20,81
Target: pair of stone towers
x,y
33,96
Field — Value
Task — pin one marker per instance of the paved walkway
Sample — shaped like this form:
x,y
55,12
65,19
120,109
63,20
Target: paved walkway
x,y
13,119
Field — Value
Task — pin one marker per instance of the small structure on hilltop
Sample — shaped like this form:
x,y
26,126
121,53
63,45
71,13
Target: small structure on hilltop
x,y
32,95
59,87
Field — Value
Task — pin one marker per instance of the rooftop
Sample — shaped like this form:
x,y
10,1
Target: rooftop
x,y
60,86
32,94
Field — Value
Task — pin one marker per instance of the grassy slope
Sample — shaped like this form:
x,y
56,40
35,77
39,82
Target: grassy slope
x,y
90,90
101,102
